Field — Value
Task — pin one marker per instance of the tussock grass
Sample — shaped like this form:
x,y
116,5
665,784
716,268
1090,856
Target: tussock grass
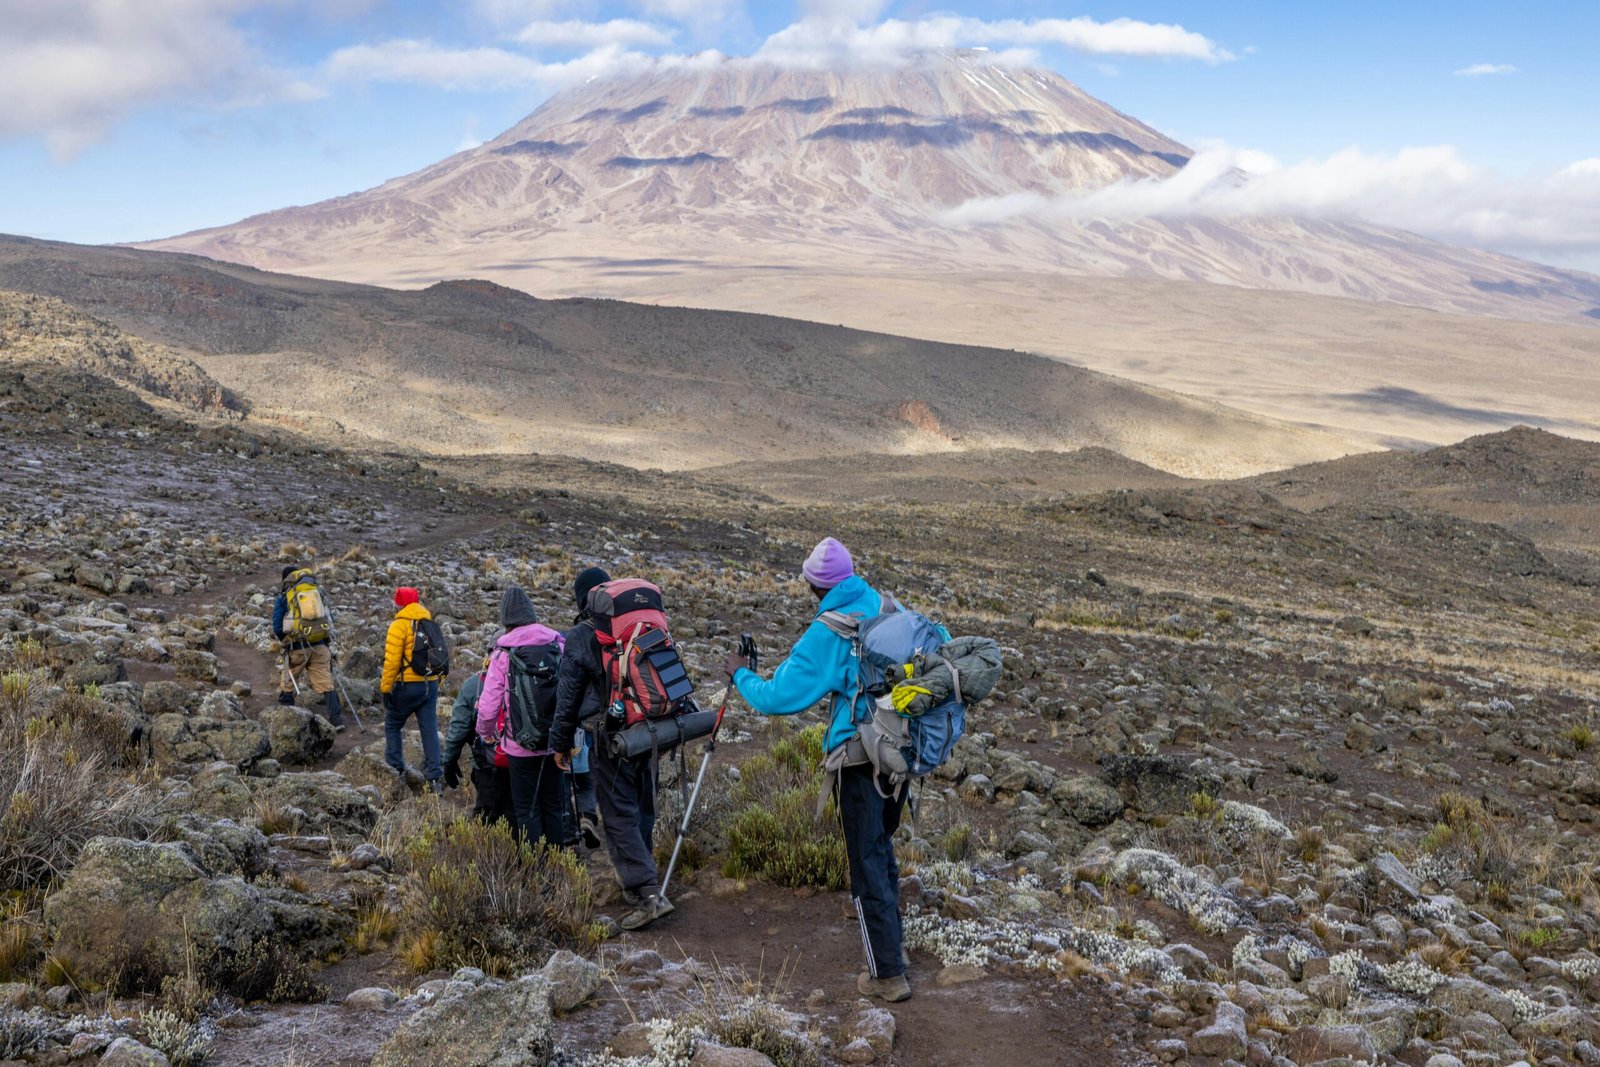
x,y
59,782
475,897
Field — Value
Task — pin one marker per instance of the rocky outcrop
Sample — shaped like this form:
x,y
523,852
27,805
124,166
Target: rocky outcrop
x,y
477,1022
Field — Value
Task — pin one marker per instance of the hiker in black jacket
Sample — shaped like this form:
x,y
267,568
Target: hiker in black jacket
x,y
625,789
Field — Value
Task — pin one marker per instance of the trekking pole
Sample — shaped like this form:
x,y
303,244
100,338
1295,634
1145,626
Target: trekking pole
x,y
288,668
337,683
348,703
747,649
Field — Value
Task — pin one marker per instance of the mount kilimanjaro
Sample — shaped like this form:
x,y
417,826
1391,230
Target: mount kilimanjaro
x,y
828,196
751,166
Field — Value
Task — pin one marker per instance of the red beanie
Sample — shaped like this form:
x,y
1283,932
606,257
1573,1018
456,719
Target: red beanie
x,y
405,595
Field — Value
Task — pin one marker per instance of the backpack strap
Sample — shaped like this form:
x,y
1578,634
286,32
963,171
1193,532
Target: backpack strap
x,y
850,754
408,653
846,626
622,665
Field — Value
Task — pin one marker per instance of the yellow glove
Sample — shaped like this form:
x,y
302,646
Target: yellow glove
x,y
903,694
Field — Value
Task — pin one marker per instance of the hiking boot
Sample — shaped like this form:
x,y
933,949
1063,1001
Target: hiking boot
x,y
286,698
650,909
893,990
590,832
435,786
631,897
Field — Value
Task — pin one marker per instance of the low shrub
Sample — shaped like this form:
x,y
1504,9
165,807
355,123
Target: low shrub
x,y
474,897
183,1041
783,842
736,1010
772,830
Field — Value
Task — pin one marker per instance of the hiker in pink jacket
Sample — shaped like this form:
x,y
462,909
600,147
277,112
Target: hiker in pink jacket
x,y
515,709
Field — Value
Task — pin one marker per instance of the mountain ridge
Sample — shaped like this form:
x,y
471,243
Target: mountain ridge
x,y
471,366
748,166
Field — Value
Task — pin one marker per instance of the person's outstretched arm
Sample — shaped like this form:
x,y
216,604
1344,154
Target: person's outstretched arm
x,y
814,669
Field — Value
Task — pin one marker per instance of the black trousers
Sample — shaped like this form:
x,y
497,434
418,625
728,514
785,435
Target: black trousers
x,y
493,787
869,822
626,793
537,790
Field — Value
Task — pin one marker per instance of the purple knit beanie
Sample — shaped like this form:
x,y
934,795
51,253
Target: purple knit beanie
x,y
828,565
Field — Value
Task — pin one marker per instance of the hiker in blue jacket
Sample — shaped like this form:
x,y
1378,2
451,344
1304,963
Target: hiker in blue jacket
x,y
821,664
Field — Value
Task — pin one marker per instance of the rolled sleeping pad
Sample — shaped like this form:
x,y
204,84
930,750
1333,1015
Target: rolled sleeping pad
x,y
661,734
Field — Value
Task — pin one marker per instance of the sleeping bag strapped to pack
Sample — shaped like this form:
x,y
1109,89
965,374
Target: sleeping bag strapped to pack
x,y
642,665
531,694
307,618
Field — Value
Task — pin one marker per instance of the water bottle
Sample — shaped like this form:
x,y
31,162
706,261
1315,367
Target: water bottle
x,y
616,716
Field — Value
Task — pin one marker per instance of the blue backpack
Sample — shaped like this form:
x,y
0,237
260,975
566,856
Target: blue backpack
x,y
900,746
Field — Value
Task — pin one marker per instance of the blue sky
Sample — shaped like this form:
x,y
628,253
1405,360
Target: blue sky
x,y
127,119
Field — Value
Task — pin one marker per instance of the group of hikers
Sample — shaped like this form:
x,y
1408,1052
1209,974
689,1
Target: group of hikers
x,y
541,718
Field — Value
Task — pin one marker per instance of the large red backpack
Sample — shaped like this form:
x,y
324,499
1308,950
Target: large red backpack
x,y
641,662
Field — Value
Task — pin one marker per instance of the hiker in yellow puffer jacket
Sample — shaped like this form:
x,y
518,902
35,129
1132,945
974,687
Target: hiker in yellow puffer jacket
x,y
407,693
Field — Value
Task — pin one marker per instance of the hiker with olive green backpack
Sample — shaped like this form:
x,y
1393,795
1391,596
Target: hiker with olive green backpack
x,y
303,625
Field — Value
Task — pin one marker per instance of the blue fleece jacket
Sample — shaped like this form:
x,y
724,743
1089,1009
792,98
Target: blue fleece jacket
x,y
821,663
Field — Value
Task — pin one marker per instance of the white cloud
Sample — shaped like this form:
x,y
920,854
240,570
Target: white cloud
x,y
488,69
70,69
1428,190
573,33
703,15
1478,70
829,41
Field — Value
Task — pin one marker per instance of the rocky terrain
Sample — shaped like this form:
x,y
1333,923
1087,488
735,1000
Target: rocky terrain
x,y
1269,779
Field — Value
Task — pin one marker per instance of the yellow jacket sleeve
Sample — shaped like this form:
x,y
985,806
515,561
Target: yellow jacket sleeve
x,y
394,651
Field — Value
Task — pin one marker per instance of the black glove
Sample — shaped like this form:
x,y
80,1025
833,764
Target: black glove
x,y
734,663
452,773
388,702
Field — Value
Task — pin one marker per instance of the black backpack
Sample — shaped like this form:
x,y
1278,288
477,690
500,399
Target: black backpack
x,y
430,652
531,694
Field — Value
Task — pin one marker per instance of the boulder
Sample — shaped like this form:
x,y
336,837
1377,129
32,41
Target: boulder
x,y
126,1052
177,739
192,663
1225,1038
297,735
487,1024
162,698
1088,800
1310,1044
226,847
325,802
876,1027
572,979
148,899
1159,784
372,998
1461,996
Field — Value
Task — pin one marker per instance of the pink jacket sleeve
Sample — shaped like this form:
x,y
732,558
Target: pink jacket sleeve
x,y
493,698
